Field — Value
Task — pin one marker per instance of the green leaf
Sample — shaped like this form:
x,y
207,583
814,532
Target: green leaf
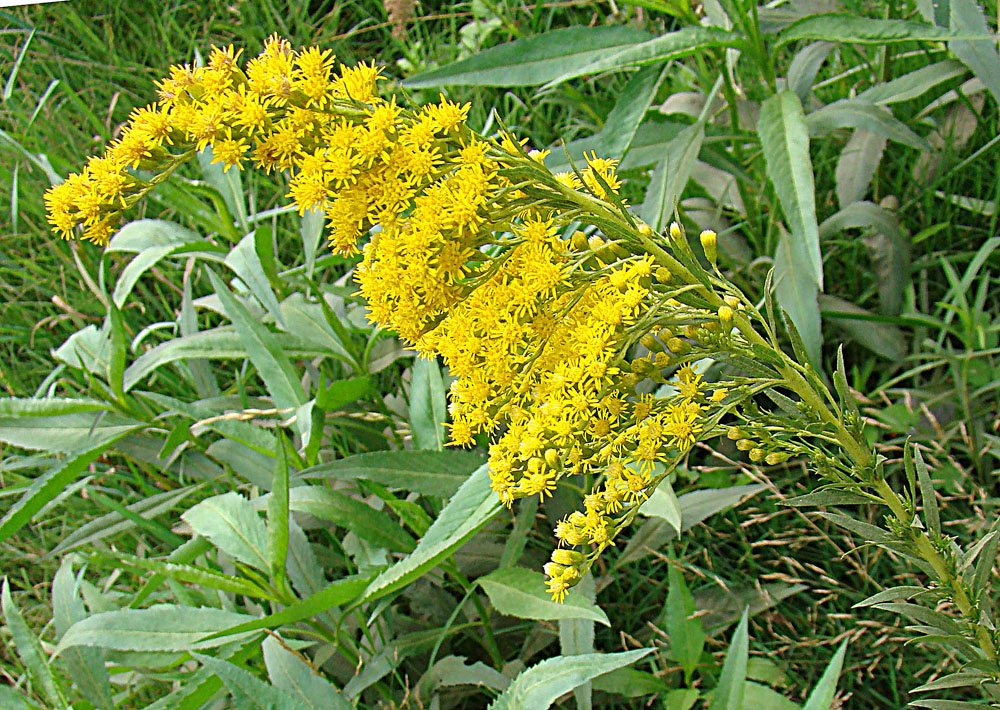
x,y
29,650
885,340
822,696
306,320
671,45
189,574
246,264
66,433
289,673
858,113
19,407
277,516
341,509
162,627
311,229
927,494
576,637
520,592
467,511
684,630
229,184
434,473
539,686
620,126
223,343
46,487
335,594
11,699
263,349
805,66
341,392
890,595
915,83
230,522
784,136
729,692
671,176
797,291
143,234
979,55
663,503
247,690
532,60
428,405
85,666
866,30
888,244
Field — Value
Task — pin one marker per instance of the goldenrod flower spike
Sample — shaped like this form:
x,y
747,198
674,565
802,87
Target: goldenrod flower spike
x,y
557,314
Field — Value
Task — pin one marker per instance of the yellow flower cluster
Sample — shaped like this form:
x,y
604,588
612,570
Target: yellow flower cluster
x,y
538,291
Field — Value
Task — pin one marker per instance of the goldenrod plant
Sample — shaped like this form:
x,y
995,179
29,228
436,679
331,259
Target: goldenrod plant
x,y
588,348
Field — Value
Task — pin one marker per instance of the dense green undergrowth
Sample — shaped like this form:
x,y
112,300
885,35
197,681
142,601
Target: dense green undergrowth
x,y
216,355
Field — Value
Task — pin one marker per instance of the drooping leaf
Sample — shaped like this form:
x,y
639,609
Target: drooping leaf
x,y
858,113
576,637
866,30
520,592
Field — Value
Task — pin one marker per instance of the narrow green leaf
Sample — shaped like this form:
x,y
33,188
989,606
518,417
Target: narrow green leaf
x,y
85,666
262,348
980,55
247,690
805,66
230,522
797,292
335,594
467,511
671,45
915,83
66,433
576,637
886,340
684,630
539,686
927,494
311,229
435,473
729,692
162,627
342,392
338,508
866,30
858,113
289,673
428,405
228,183
890,595
784,136
277,516
822,696
49,485
520,592
671,176
29,650
246,264
194,575
532,60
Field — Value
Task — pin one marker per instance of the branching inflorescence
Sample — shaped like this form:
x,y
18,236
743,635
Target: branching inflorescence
x,y
577,334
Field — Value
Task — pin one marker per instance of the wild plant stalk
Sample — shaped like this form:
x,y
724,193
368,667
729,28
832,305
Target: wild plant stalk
x,y
579,337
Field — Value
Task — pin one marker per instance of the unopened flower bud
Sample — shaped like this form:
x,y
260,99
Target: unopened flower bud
x,y
775,457
595,243
664,334
726,314
662,360
552,458
650,342
708,243
756,455
677,346
662,274
645,230
745,444
568,558
735,433
675,231
579,241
